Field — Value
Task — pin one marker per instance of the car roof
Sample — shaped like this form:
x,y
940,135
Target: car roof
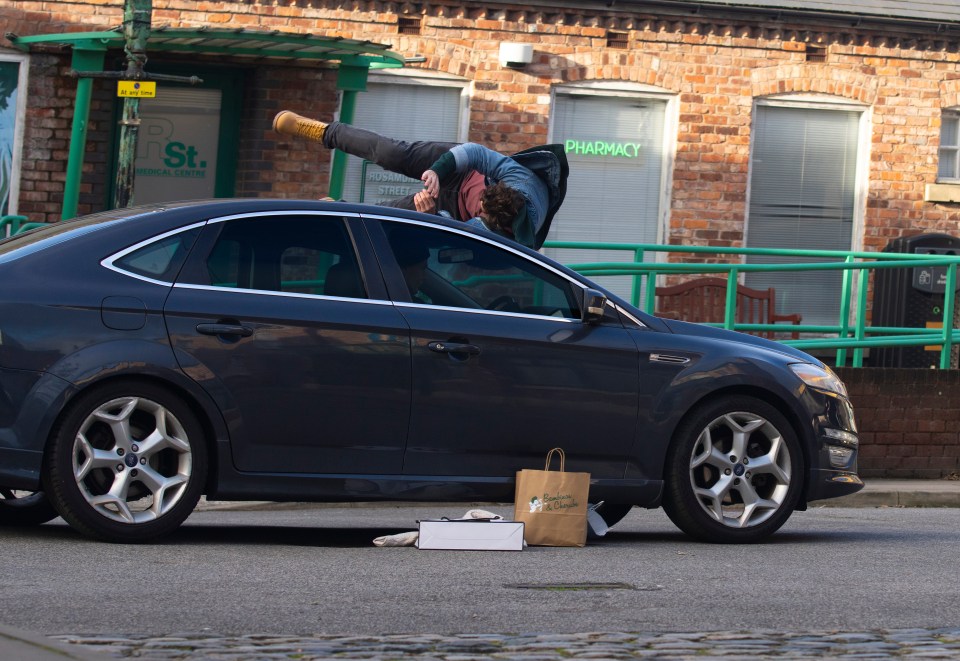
x,y
168,216
212,208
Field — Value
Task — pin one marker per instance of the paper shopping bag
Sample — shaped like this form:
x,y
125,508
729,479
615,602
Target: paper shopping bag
x,y
552,504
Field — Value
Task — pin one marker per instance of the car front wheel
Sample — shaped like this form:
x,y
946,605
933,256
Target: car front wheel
x,y
24,508
734,471
127,463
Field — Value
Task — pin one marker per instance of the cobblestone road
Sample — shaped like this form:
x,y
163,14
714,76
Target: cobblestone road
x,y
882,644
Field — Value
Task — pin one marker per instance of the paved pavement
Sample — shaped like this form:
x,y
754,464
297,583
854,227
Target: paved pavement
x,y
901,493
20,645
739,645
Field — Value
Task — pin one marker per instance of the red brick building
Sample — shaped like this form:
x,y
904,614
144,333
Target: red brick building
x,y
791,124
784,124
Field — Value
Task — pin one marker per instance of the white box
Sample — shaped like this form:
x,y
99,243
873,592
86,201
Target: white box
x,y
471,534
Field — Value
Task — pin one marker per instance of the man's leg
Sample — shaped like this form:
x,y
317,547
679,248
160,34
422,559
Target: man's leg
x,y
407,158
410,159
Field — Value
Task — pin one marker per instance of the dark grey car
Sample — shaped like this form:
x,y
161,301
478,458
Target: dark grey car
x,y
321,351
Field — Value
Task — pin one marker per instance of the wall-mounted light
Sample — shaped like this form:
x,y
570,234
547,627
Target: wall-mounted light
x,y
515,56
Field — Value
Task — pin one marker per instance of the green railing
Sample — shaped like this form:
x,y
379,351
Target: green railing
x,y
10,225
851,330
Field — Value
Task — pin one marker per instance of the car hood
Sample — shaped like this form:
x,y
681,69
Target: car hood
x,y
702,330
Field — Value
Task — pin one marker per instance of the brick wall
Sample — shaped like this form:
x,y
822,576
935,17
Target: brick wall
x,y
716,63
274,165
909,421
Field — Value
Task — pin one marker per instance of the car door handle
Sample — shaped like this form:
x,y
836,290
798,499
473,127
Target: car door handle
x,y
224,329
454,347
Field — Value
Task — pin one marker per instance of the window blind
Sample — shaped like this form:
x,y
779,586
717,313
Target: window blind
x,y
949,161
405,112
802,196
615,151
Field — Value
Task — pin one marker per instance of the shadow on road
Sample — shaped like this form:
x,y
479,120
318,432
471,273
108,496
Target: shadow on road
x,y
363,536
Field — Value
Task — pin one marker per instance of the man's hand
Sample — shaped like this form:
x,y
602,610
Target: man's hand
x,y
424,202
431,182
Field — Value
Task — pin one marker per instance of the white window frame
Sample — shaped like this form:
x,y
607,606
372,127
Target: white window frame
x,y
21,113
862,176
953,115
421,78
670,126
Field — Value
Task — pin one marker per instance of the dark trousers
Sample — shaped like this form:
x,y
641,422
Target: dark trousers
x,y
410,159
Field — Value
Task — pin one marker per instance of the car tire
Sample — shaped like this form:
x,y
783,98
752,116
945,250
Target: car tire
x,y
127,463
25,508
734,471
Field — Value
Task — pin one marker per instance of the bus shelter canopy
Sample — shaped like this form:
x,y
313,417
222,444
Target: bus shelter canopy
x,y
251,45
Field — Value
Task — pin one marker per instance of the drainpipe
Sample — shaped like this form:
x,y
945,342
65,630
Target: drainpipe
x,y
351,78
83,60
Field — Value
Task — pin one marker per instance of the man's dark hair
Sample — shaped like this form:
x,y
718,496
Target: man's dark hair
x,y
501,204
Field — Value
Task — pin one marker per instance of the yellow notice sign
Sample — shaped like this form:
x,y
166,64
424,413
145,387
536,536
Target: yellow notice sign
x,y
136,88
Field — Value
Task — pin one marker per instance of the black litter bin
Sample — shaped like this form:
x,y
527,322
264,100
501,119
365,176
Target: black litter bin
x,y
912,297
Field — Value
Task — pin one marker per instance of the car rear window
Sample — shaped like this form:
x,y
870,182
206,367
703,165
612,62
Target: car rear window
x,y
160,260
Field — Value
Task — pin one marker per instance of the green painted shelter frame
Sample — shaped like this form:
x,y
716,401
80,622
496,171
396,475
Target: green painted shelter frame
x,y
355,58
230,84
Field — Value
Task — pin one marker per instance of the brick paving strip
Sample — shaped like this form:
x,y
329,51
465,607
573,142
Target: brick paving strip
x,y
876,644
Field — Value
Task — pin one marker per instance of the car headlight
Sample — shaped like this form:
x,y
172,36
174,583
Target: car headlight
x,y
821,378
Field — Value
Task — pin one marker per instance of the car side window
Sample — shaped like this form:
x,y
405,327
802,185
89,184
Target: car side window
x,y
447,268
296,254
160,260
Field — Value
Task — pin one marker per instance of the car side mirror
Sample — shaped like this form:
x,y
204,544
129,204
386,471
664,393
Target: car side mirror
x,y
594,303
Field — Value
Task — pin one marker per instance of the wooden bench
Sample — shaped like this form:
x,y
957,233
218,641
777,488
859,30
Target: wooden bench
x,y
704,300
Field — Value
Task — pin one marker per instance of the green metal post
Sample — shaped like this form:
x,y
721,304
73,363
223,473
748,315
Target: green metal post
x,y
83,60
845,297
730,307
350,79
136,32
650,303
949,301
635,291
861,320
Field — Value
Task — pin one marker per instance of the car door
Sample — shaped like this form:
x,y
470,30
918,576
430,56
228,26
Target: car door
x,y
288,330
503,367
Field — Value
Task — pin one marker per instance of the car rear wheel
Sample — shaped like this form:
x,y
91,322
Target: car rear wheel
x,y
734,471
127,463
24,508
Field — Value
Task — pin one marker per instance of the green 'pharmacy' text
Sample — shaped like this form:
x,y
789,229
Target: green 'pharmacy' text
x,y
601,148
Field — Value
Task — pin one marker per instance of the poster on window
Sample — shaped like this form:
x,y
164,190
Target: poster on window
x,y
9,148
177,145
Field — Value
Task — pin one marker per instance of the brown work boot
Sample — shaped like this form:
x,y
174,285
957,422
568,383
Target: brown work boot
x,y
293,124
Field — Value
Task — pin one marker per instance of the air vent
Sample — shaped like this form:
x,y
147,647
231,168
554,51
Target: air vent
x,y
667,358
409,24
617,39
816,53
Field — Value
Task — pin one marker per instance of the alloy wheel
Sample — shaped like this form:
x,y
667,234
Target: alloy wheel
x,y
740,469
131,460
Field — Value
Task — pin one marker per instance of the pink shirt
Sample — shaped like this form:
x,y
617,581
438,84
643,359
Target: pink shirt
x,y
468,200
